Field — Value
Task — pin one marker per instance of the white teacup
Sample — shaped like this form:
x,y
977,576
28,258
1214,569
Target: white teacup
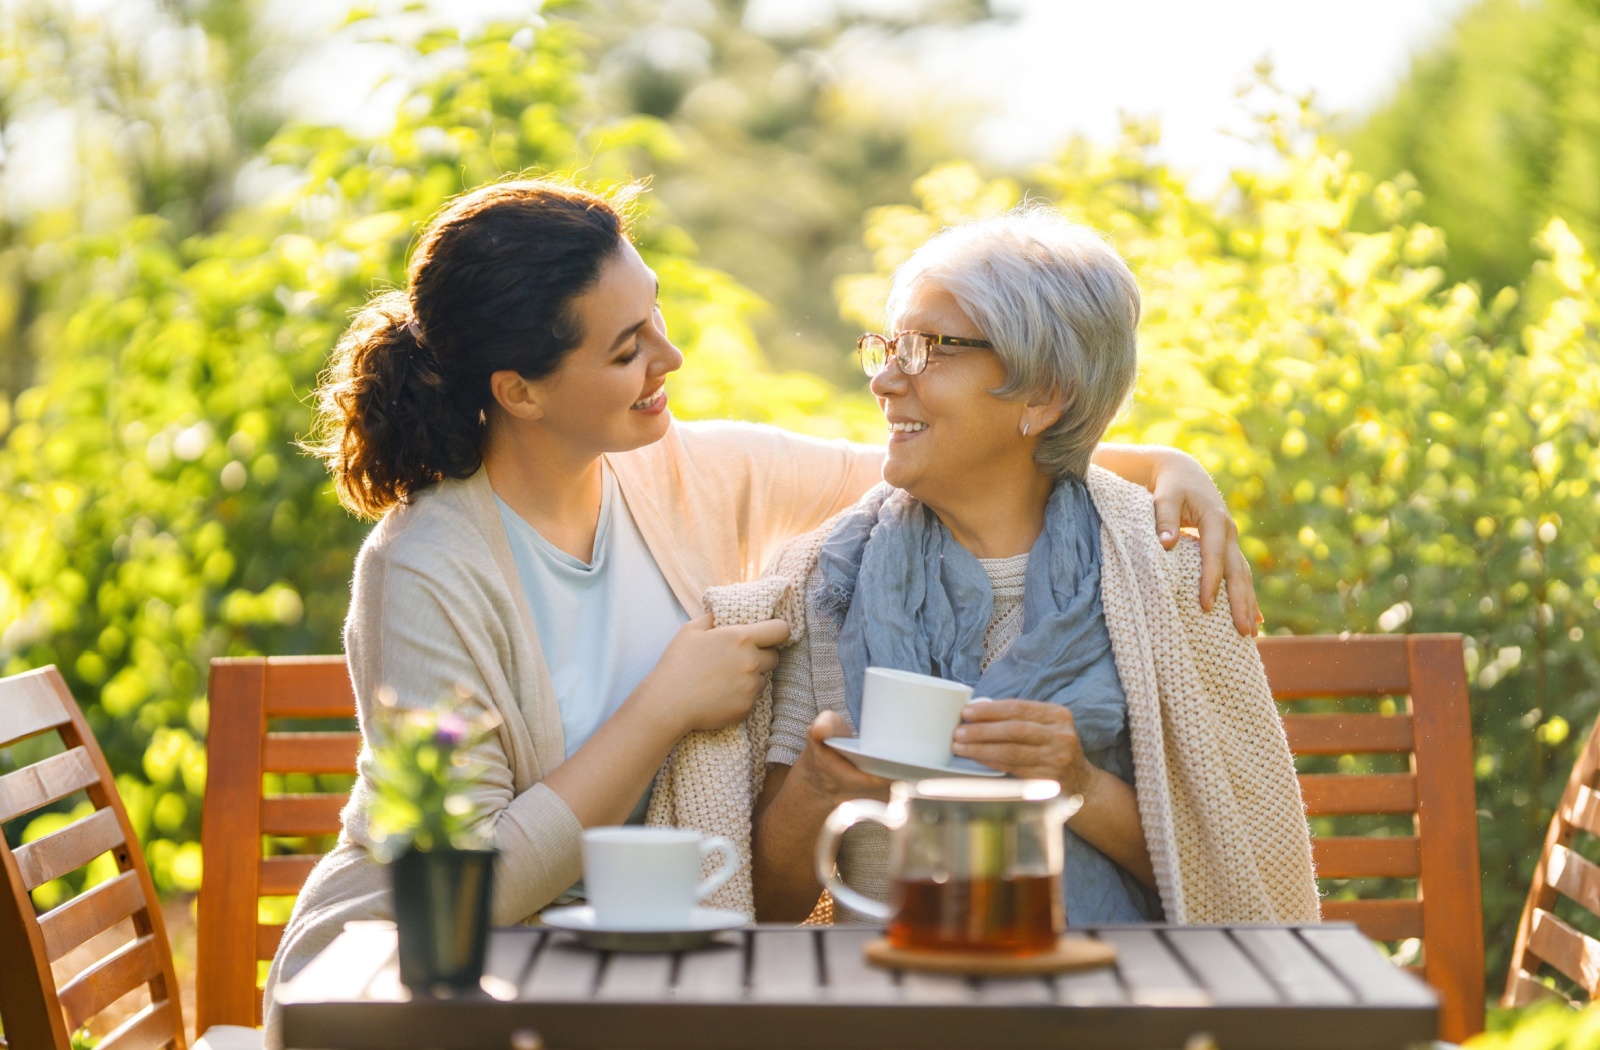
x,y
910,717
649,878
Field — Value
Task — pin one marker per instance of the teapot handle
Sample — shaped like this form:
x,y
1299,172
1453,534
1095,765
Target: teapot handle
x,y
844,817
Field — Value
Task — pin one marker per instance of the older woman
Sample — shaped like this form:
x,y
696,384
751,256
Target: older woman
x,y
994,554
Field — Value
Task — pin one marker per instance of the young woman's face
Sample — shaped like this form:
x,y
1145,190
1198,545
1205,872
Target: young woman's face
x,y
609,394
947,432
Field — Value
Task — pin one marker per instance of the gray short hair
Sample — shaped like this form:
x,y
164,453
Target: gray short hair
x,y
1060,306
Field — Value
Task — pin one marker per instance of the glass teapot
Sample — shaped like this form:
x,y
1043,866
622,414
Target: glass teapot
x,y
974,865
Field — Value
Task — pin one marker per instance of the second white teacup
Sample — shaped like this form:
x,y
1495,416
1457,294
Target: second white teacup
x,y
910,717
649,878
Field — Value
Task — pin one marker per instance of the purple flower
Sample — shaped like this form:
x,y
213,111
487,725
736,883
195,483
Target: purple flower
x,y
450,730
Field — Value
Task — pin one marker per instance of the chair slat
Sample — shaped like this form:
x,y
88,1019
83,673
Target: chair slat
x,y
1342,734
149,1029
310,752
1575,877
1331,795
135,963
1585,812
68,849
1301,668
267,940
44,782
1349,858
33,705
1390,920
283,876
92,912
292,815
1575,954
309,687
1523,990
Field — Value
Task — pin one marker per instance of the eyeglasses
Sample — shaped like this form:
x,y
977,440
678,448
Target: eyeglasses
x,y
909,350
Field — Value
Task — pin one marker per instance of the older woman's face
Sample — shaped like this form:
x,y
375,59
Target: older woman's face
x,y
948,433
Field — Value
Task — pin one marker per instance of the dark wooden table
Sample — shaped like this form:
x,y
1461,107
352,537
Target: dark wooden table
x,y
1249,987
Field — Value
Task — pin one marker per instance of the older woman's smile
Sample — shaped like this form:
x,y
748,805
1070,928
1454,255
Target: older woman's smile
x,y
906,427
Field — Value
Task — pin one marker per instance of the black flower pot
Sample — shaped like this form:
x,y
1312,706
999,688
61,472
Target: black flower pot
x,y
441,906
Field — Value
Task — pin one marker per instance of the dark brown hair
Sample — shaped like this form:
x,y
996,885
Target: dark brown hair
x,y
405,400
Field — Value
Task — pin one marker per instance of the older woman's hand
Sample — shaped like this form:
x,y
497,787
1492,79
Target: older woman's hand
x,y
1185,495
827,776
1025,738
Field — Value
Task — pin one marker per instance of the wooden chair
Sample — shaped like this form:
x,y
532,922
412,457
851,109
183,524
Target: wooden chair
x,y
37,1012
1431,727
239,818
1544,939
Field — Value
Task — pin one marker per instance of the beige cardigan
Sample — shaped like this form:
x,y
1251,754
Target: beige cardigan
x,y
436,601
1218,797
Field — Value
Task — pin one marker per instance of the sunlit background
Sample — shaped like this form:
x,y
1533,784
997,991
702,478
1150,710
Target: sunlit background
x,y
1365,233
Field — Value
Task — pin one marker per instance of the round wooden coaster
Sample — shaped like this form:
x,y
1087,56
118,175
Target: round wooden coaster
x,y
1070,953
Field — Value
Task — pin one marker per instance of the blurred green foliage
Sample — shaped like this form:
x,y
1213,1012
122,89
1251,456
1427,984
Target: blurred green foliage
x,y
1500,123
1400,455
1549,1026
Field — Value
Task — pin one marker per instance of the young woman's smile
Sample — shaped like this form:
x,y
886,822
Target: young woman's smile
x,y
609,394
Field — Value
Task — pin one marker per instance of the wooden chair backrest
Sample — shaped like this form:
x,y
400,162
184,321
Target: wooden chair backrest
x,y
39,1014
1543,939
244,694
1425,675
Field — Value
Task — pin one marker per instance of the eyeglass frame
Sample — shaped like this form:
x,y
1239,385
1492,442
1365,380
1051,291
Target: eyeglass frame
x,y
909,364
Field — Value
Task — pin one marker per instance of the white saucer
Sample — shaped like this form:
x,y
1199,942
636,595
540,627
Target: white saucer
x,y
894,769
704,924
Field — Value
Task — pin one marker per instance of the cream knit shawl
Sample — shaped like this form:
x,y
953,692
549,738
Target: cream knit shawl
x,y
1218,796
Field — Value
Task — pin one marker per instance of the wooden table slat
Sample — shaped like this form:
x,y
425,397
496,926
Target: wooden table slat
x,y
509,958
1098,987
345,969
1229,974
563,970
1298,972
783,966
1153,976
1357,962
936,989
1015,990
713,975
636,978
851,979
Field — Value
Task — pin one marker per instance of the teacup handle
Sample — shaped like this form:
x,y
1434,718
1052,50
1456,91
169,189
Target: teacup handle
x,y
844,817
730,865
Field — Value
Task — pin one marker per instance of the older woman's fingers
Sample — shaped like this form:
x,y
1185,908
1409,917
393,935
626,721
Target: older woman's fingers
x,y
1015,710
827,724
1032,734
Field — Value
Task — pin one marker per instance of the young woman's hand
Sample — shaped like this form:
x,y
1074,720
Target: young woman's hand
x,y
709,677
1185,496
1025,738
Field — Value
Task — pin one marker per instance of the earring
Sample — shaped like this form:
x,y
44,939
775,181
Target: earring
x,y
1025,427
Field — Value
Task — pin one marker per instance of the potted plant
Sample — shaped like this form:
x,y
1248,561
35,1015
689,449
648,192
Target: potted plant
x,y
426,827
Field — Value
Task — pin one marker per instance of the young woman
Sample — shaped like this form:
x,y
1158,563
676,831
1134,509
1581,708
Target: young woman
x,y
547,531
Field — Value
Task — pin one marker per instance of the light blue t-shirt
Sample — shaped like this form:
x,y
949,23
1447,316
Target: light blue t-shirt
x,y
603,626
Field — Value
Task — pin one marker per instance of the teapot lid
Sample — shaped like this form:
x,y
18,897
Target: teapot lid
x,y
975,789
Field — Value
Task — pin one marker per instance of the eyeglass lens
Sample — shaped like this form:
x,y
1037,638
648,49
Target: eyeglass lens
x,y
910,352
